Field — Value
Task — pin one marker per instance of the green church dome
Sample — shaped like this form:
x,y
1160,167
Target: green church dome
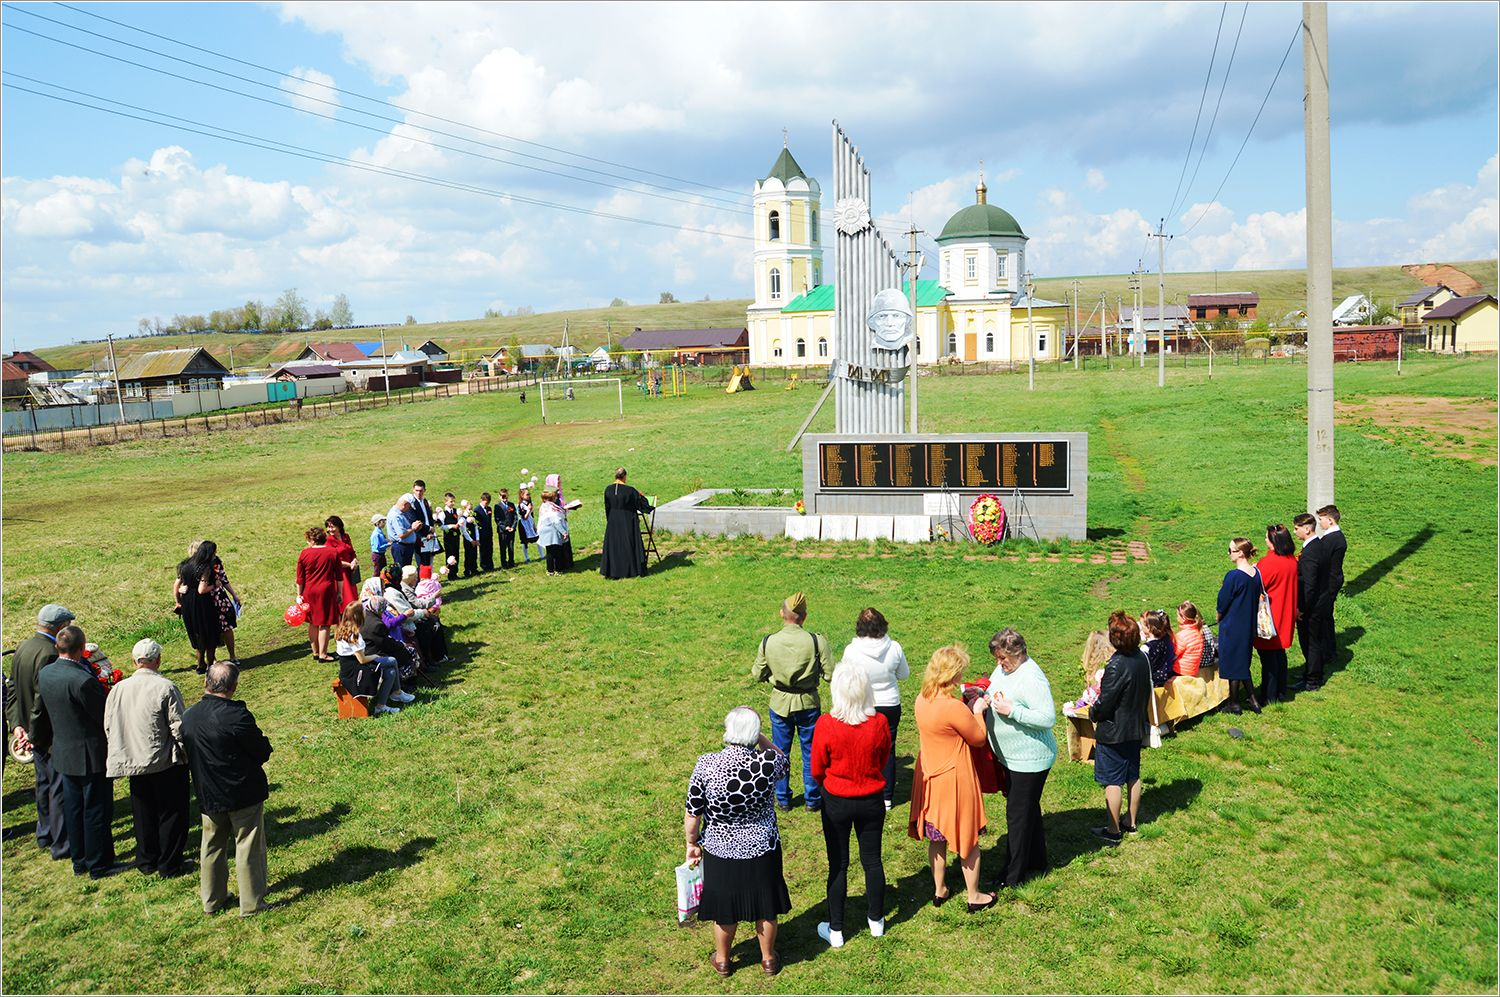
x,y
786,168
980,221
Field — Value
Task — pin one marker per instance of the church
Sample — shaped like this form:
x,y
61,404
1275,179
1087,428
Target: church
x,y
975,310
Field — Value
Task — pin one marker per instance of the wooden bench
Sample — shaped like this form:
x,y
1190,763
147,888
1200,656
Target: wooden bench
x,y
1182,698
350,706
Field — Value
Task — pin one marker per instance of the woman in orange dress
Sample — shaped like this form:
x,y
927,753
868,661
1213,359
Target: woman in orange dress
x,y
947,809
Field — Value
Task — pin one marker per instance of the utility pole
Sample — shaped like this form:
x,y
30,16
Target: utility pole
x,y
385,366
120,398
1161,303
1119,318
913,267
1319,257
1075,324
1030,335
231,358
1137,325
1103,327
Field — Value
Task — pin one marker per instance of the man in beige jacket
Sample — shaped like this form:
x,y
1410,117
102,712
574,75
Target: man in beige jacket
x,y
143,722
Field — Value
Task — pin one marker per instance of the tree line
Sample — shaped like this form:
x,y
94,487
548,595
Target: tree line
x,y
289,312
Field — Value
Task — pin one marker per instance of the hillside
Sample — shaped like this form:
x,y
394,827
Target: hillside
x,y
1280,291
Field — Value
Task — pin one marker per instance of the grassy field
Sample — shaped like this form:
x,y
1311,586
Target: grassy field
x,y
1280,292
517,828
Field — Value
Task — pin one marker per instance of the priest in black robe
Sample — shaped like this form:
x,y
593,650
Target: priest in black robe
x,y
624,554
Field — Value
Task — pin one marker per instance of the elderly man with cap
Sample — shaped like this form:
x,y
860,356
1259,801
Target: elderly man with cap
x,y
403,527
36,651
70,725
143,723
793,661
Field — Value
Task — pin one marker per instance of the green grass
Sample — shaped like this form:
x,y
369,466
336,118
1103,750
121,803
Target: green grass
x,y
516,830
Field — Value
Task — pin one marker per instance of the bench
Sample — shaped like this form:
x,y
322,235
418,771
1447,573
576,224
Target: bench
x,y
350,706
1182,698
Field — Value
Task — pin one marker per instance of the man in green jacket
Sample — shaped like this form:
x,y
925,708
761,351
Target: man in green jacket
x,y
35,652
794,661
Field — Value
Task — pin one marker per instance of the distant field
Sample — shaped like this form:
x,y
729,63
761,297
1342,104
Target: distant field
x,y
1280,292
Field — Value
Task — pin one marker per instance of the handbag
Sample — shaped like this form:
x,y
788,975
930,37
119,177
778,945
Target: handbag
x,y
689,890
1265,621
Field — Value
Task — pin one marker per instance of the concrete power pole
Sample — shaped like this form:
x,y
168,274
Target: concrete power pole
x,y
116,372
914,266
1075,325
1137,326
1319,257
1161,305
1103,327
1030,334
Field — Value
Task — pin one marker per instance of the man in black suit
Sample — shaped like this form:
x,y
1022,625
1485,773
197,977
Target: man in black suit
x,y
71,725
1334,546
1312,579
35,652
422,510
484,518
505,527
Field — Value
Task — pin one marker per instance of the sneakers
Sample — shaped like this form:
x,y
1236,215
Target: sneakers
x,y
381,711
1107,836
877,928
403,697
835,939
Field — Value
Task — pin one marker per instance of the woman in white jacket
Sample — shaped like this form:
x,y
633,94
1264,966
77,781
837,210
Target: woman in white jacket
x,y
884,662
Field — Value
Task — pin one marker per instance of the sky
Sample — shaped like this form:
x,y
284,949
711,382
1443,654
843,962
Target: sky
x,y
441,159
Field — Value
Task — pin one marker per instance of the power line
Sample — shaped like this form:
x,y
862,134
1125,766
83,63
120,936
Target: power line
x,y
1187,193
1248,132
355,110
1199,116
391,103
284,148
372,128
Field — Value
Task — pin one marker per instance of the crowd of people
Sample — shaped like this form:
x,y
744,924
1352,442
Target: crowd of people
x,y
994,734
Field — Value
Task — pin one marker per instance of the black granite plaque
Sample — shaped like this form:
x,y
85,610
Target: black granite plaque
x,y
969,466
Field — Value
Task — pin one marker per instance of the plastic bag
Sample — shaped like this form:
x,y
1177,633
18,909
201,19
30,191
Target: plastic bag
x,y
689,890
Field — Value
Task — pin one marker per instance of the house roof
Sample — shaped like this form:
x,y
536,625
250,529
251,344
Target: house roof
x,y
786,167
685,339
820,298
29,361
503,351
13,373
307,370
337,351
165,363
435,348
1226,299
1346,307
1425,295
536,350
1458,307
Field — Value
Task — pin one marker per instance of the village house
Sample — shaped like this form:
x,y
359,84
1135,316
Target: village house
x,y
1415,308
1238,305
171,372
1463,325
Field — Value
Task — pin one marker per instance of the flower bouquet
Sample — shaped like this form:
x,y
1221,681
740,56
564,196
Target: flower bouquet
x,y
987,519
109,676
801,508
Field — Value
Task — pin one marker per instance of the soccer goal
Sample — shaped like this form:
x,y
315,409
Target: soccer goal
x,y
591,399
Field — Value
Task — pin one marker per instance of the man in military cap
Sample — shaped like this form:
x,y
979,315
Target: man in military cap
x,y
794,661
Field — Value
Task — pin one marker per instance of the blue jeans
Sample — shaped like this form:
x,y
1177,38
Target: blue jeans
x,y
782,728
388,680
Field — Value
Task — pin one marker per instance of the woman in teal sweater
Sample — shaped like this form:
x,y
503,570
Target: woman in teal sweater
x,y
1020,726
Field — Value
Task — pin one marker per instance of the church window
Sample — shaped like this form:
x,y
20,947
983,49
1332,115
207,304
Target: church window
x,y
775,220
952,343
822,347
775,284
775,347
989,342
814,226
801,347
971,266
817,274
1000,266
1041,343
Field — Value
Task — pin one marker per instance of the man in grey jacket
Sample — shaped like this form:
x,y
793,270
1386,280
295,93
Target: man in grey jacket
x,y
143,723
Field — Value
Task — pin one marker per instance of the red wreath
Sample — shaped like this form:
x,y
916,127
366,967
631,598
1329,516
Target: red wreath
x,y
987,527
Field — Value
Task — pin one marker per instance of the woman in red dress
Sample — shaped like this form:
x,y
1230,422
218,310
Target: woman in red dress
x,y
338,541
1278,573
318,572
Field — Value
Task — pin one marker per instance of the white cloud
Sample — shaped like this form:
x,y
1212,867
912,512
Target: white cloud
x,y
1094,180
311,90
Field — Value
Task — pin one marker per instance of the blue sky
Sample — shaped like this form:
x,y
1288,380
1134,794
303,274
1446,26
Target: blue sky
x,y
1082,115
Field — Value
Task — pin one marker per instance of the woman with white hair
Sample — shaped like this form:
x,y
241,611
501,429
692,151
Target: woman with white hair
x,y
739,843
849,753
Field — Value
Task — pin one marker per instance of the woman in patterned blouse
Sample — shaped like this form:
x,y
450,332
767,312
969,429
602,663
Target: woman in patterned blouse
x,y
739,844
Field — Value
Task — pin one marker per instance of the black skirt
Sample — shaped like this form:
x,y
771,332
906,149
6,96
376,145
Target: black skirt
x,y
737,890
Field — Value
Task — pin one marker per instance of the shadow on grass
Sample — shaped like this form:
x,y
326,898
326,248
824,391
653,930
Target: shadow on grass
x,y
674,559
1104,532
352,865
285,832
1381,568
1345,640
275,656
473,588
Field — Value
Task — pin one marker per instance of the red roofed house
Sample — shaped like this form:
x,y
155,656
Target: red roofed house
x,y
332,352
700,346
1237,305
15,380
30,363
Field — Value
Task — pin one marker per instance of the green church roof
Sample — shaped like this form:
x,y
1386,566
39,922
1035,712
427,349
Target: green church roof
x,y
786,167
820,298
980,221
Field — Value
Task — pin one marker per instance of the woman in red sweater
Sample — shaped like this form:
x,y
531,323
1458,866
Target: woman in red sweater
x,y
1278,575
848,761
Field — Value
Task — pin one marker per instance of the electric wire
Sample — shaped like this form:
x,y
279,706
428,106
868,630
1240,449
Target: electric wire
x,y
399,107
1188,156
1187,192
1250,131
